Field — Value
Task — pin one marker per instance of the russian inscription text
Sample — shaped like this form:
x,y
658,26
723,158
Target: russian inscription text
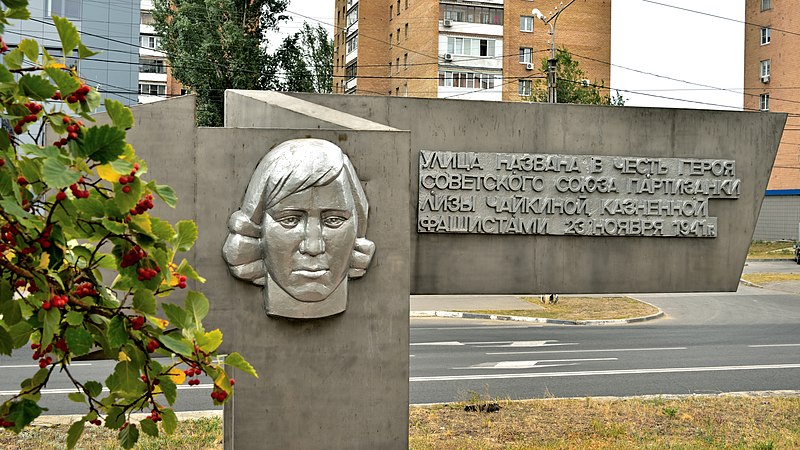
x,y
582,195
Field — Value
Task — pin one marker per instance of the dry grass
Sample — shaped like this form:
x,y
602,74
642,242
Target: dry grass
x,y
197,434
766,278
690,423
771,250
582,308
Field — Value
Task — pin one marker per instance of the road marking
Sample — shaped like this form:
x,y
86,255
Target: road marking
x,y
447,343
478,327
530,364
28,366
500,376
774,345
105,389
652,349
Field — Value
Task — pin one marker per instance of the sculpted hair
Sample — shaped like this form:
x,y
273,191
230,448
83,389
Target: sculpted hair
x,y
291,167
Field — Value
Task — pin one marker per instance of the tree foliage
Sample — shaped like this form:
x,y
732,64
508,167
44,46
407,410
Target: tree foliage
x,y
306,61
213,46
68,209
572,85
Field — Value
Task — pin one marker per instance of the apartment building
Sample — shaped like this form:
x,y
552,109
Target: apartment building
x,y
481,50
771,80
155,78
111,28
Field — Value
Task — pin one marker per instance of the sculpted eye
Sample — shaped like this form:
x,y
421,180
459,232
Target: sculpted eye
x,y
289,221
334,221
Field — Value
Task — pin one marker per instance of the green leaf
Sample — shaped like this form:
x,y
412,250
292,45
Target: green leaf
x,y
149,427
66,83
208,342
176,315
169,389
127,375
16,3
188,271
144,301
196,306
117,336
84,52
36,87
121,116
102,143
5,75
161,228
68,34
20,333
79,341
6,342
94,388
21,13
120,165
56,175
170,420
127,201
13,60
76,397
187,234
74,433
236,360
74,318
128,436
51,321
92,207
30,48
115,417
166,193
114,227
11,312
180,346
11,207
22,413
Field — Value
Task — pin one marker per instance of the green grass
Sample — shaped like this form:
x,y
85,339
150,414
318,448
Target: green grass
x,y
771,250
582,308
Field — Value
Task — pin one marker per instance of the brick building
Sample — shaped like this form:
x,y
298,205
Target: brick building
x,y
483,50
771,77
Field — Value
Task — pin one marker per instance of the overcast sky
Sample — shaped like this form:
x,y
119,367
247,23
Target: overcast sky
x,y
659,42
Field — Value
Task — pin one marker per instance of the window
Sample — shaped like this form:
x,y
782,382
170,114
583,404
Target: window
x,y
763,102
467,80
70,9
765,35
526,23
524,88
398,9
406,34
525,55
398,35
352,44
390,71
391,11
350,72
146,18
397,90
152,89
391,36
405,60
766,4
765,69
148,41
352,16
473,14
406,4
152,66
397,65
470,46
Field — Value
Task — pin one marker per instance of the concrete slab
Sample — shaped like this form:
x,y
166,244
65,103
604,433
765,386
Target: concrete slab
x,y
470,303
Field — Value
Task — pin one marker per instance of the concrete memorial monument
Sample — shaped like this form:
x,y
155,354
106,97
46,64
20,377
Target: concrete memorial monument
x,y
476,197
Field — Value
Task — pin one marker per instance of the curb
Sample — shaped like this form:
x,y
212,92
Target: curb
x,y
463,315
747,283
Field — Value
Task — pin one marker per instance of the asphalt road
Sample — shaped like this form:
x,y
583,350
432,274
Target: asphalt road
x,y
707,343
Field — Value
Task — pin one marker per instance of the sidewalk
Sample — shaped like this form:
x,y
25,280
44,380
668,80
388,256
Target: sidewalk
x,y
421,303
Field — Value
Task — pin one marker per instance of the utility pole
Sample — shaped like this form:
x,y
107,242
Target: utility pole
x,y
552,80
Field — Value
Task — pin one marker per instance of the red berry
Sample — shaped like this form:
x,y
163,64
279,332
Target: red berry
x,y
233,381
72,98
72,135
21,180
18,129
46,305
61,196
56,96
126,189
2,162
66,119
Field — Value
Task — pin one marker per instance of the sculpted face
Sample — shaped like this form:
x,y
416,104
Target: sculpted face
x,y
308,239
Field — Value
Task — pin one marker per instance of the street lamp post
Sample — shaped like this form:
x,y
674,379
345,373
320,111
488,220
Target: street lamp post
x,y
552,81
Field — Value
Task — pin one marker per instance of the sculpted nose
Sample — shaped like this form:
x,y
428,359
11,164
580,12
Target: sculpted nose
x,y
312,243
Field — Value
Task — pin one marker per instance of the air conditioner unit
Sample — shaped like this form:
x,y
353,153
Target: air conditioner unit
x,y
765,78
529,66
448,56
447,23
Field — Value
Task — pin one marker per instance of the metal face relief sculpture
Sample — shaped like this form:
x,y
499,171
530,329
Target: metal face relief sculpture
x,y
301,230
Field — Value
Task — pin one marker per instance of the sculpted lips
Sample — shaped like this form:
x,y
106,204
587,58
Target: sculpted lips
x,y
310,272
